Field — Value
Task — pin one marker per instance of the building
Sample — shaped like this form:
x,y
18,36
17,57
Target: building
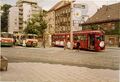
x,y
62,18
106,18
26,9
50,18
72,14
13,20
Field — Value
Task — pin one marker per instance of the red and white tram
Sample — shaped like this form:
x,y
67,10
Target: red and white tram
x,y
88,39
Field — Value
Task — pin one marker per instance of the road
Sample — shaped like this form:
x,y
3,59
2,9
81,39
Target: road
x,y
104,59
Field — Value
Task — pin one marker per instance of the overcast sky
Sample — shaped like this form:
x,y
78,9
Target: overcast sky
x,y
47,4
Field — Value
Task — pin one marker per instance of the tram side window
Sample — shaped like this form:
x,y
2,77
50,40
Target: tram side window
x,y
83,38
55,37
75,37
61,37
79,37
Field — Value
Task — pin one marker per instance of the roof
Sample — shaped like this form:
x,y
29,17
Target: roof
x,y
106,14
63,5
27,1
82,32
55,6
59,5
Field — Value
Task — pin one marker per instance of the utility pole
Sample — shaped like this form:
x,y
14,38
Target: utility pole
x,y
71,26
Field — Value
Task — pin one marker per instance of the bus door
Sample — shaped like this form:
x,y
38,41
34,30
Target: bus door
x,y
91,41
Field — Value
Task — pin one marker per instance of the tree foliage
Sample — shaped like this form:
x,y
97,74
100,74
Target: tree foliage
x,y
4,17
36,24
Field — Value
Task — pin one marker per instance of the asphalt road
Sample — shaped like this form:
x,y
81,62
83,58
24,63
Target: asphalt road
x,y
105,59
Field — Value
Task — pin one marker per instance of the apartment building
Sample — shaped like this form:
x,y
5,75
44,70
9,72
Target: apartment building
x,y
62,18
26,9
13,20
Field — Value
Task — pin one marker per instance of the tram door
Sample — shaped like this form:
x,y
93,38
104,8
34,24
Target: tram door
x,y
91,41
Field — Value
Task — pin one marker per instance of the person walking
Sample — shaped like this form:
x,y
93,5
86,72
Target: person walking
x,y
14,37
65,45
78,45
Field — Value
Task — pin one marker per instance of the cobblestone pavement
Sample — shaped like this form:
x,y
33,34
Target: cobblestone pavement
x,y
104,59
39,72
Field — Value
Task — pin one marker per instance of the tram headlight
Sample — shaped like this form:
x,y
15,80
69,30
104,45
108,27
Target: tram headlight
x,y
102,44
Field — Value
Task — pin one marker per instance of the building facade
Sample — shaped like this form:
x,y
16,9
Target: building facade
x,y
72,14
26,9
13,20
50,19
62,19
107,19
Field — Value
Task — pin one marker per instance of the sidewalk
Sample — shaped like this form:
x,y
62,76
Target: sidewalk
x,y
43,72
118,48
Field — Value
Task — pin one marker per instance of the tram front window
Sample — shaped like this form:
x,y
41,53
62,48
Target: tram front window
x,y
30,37
7,35
100,38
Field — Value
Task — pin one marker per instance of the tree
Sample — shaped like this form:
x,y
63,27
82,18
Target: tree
x,y
4,17
36,24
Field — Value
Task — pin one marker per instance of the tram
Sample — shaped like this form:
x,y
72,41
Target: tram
x,y
30,40
88,39
19,39
6,39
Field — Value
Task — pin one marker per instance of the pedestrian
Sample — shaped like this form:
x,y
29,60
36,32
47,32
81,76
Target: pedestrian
x,y
78,45
14,37
65,45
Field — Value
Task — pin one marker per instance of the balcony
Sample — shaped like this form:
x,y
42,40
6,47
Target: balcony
x,y
20,8
20,13
20,17
20,26
20,22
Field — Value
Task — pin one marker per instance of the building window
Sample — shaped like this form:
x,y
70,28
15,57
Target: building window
x,y
83,6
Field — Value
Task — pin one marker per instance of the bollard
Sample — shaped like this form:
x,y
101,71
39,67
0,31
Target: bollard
x,y
3,63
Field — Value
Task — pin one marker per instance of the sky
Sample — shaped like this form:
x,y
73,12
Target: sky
x,y
47,4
